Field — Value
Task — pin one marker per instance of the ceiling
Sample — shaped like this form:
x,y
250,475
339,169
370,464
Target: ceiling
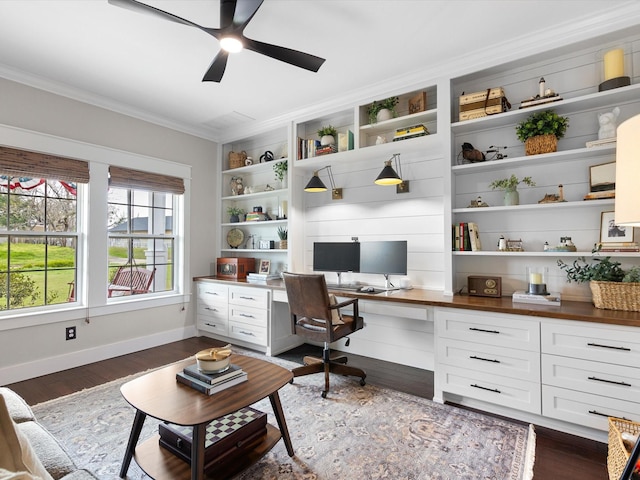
x,y
151,68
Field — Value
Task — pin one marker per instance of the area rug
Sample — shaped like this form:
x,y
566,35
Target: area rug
x,y
355,433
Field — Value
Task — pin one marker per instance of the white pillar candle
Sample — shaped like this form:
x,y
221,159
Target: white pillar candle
x,y
535,278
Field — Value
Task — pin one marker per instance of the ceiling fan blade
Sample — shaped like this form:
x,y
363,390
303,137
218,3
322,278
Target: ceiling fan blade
x,y
217,67
244,11
140,7
284,54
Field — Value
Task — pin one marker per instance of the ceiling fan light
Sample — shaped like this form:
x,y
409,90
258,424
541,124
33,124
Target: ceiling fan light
x,y
231,44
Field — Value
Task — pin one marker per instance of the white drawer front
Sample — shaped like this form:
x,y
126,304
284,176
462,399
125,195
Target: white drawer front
x,y
510,392
584,408
212,293
213,324
508,362
487,328
252,297
248,333
617,381
252,316
215,309
620,345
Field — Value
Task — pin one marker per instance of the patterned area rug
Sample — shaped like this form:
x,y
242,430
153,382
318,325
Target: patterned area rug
x,y
355,433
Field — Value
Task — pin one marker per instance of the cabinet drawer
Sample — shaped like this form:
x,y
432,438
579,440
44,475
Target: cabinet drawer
x,y
252,297
510,392
584,408
616,381
619,345
214,309
490,329
248,333
249,315
508,362
213,324
212,293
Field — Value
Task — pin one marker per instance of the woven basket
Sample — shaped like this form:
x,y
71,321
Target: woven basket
x,y
616,295
541,144
237,159
618,454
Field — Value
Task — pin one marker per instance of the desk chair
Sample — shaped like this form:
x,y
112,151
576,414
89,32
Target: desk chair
x,y
314,317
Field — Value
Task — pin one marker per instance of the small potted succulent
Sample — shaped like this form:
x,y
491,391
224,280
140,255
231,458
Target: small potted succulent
x,y
611,287
234,214
510,187
382,110
327,135
541,130
283,235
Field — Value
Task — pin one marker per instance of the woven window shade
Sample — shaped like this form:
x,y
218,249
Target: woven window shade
x,y
127,178
23,163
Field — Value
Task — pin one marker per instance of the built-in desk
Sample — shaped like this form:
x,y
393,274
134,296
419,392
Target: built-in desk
x,y
566,367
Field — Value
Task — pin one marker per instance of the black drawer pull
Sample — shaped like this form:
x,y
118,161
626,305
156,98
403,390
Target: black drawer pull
x,y
608,346
212,293
483,330
211,325
624,384
211,309
484,359
485,388
246,315
595,412
248,298
251,334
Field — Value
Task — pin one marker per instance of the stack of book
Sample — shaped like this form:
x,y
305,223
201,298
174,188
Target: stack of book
x,y
410,132
331,148
618,247
600,195
466,237
261,277
211,383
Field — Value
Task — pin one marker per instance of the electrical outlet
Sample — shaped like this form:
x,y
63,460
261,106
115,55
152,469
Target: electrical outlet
x,y
71,333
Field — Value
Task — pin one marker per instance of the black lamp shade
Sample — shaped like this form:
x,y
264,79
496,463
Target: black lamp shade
x,y
315,185
388,176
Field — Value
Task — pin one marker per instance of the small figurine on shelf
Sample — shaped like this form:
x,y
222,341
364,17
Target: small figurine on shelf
x,y
502,244
607,123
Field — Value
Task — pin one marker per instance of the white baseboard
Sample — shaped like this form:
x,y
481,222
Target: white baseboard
x,y
45,366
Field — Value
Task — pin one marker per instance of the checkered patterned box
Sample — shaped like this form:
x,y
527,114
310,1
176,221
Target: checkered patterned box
x,y
226,437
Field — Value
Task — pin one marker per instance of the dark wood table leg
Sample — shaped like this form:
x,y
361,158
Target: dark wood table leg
x,y
282,424
138,422
197,451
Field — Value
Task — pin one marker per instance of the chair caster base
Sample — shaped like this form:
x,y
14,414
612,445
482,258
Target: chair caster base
x,y
362,382
324,394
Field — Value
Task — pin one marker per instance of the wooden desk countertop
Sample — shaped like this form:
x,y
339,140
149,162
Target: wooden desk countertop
x,y
569,310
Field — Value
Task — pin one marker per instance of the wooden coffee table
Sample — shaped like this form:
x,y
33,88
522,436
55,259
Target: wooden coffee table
x,y
159,395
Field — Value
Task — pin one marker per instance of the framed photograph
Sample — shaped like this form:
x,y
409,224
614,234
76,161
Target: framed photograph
x,y
602,178
610,232
418,103
265,266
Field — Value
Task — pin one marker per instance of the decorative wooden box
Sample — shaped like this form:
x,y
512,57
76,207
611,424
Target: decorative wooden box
x,y
235,268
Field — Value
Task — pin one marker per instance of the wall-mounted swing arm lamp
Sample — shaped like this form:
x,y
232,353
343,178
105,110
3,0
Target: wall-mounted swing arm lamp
x,y
627,206
388,175
316,185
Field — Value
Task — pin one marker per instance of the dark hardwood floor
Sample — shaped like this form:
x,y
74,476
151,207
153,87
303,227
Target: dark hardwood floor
x,y
558,455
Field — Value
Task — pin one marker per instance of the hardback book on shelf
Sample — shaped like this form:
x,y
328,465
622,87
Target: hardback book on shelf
x,y
206,388
213,378
466,237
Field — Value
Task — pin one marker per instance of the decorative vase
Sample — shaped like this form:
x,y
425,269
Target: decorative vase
x,y
283,244
285,181
327,140
384,114
234,219
511,197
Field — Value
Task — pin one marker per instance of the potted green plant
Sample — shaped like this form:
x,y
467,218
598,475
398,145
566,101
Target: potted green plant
x,y
510,187
541,130
234,214
382,110
283,236
611,287
327,135
280,170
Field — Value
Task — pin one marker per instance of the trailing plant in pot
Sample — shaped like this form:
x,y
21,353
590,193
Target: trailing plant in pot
x,y
327,135
280,169
611,287
376,107
540,131
283,235
510,187
234,214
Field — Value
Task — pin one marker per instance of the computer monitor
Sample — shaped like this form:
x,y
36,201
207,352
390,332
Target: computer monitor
x,y
385,257
336,257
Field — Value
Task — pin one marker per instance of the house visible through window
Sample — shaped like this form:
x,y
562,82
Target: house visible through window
x,y
38,241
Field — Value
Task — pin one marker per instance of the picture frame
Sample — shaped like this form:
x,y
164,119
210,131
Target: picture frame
x,y
265,266
602,177
610,232
418,103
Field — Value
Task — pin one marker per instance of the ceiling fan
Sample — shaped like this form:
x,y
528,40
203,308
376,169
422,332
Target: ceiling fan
x,y
234,17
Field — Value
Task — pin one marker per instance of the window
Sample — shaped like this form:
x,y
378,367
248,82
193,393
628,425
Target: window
x,y
142,236
38,241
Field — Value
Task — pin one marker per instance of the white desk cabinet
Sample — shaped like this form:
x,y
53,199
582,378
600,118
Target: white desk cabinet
x,y
212,308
